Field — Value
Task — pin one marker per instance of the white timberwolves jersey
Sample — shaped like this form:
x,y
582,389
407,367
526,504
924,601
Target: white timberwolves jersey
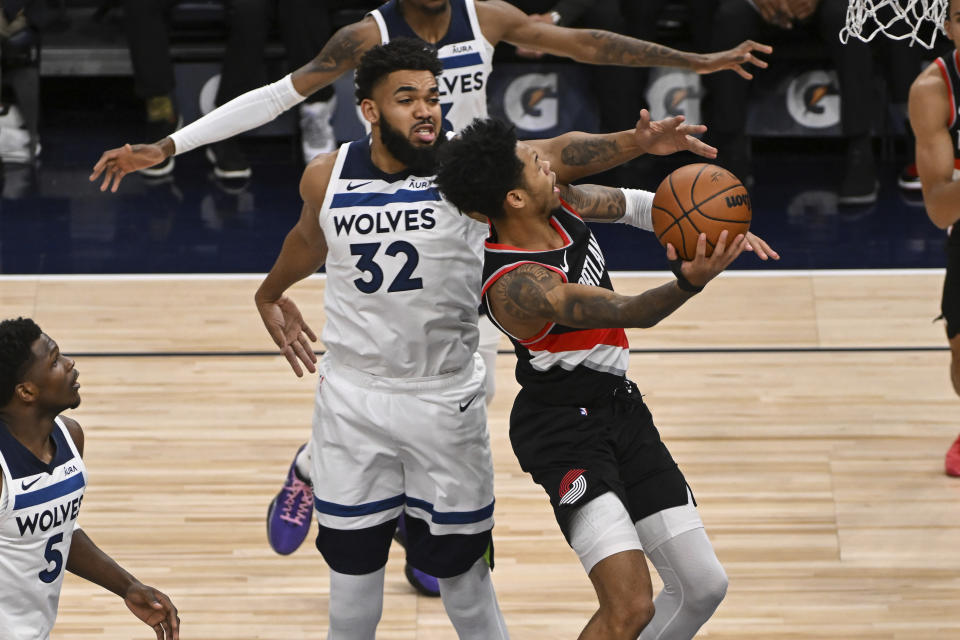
x,y
403,271
39,506
466,55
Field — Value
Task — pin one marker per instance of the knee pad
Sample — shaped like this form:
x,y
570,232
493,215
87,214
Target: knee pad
x,y
445,556
356,551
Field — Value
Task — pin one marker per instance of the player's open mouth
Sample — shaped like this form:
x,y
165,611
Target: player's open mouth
x,y
76,385
425,133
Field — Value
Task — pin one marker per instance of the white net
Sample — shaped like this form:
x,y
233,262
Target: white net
x,y
915,20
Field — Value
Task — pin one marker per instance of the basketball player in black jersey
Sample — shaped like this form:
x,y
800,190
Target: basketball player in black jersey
x,y
578,425
935,120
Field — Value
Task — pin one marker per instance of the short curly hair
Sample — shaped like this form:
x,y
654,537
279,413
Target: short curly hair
x,y
402,54
16,339
479,167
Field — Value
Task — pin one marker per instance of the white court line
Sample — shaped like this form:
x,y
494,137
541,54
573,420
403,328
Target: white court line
x,y
747,273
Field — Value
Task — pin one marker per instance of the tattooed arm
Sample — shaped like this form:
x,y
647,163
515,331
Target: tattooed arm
x,y
594,202
501,21
575,155
531,296
341,54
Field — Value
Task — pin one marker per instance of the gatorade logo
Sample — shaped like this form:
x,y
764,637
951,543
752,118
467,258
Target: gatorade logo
x,y
531,101
813,99
675,93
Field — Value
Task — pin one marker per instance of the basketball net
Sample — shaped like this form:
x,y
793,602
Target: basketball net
x,y
896,19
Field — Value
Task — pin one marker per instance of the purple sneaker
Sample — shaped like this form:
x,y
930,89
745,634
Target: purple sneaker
x,y
424,583
289,514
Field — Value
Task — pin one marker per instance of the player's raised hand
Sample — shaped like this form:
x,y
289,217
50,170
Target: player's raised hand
x,y
290,332
733,59
703,269
759,246
155,609
116,163
670,135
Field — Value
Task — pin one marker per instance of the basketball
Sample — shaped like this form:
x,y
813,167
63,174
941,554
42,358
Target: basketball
x,y
699,198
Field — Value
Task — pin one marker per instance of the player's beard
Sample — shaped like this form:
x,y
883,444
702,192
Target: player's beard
x,y
421,161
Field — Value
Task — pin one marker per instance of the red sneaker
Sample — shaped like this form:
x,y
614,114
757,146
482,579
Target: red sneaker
x,y
952,462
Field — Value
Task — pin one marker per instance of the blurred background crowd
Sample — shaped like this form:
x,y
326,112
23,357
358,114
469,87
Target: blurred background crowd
x,y
826,121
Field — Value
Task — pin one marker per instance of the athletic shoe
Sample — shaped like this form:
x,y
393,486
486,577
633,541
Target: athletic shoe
x,y
952,463
228,160
316,131
10,116
155,131
15,146
859,184
290,512
424,583
909,179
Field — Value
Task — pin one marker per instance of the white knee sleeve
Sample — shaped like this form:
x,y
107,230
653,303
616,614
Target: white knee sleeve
x,y
694,582
601,528
472,606
356,604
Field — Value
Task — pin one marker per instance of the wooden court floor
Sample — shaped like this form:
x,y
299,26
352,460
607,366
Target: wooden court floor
x,y
809,411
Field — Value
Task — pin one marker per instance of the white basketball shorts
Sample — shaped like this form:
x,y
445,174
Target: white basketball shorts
x,y
381,445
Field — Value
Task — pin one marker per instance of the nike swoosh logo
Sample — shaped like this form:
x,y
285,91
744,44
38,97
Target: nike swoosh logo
x,y
351,186
564,265
26,485
463,407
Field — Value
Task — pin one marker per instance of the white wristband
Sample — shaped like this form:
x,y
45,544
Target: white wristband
x,y
639,209
245,112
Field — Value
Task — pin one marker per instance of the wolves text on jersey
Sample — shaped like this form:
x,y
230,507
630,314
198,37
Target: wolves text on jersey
x,y
54,517
385,221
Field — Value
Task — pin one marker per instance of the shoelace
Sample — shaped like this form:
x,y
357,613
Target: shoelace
x,y
303,506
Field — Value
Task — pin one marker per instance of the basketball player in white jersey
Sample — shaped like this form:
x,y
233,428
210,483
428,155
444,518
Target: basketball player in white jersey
x,y
578,425
935,119
464,32
400,419
42,481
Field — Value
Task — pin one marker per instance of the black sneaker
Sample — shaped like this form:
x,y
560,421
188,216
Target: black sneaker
x,y
909,179
228,160
859,185
155,131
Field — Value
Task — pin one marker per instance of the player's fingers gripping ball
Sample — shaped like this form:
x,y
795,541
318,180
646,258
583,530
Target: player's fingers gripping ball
x,y
699,198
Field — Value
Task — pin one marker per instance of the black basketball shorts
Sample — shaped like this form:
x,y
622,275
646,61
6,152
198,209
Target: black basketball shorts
x,y
578,453
950,300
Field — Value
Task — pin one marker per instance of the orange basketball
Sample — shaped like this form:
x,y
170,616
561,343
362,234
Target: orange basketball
x,y
700,198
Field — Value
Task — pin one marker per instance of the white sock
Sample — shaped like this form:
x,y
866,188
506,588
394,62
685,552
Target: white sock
x,y
356,603
694,583
303,463
472,605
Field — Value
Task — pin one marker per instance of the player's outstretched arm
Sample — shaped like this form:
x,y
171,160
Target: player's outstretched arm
x,y
150,605
930,115
530,296
304,251
245,112
501,21
88,561
597,203
576,154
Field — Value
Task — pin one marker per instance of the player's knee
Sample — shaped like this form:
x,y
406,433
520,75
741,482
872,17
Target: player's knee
x,y
356,551
444,556
628,616
703,597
